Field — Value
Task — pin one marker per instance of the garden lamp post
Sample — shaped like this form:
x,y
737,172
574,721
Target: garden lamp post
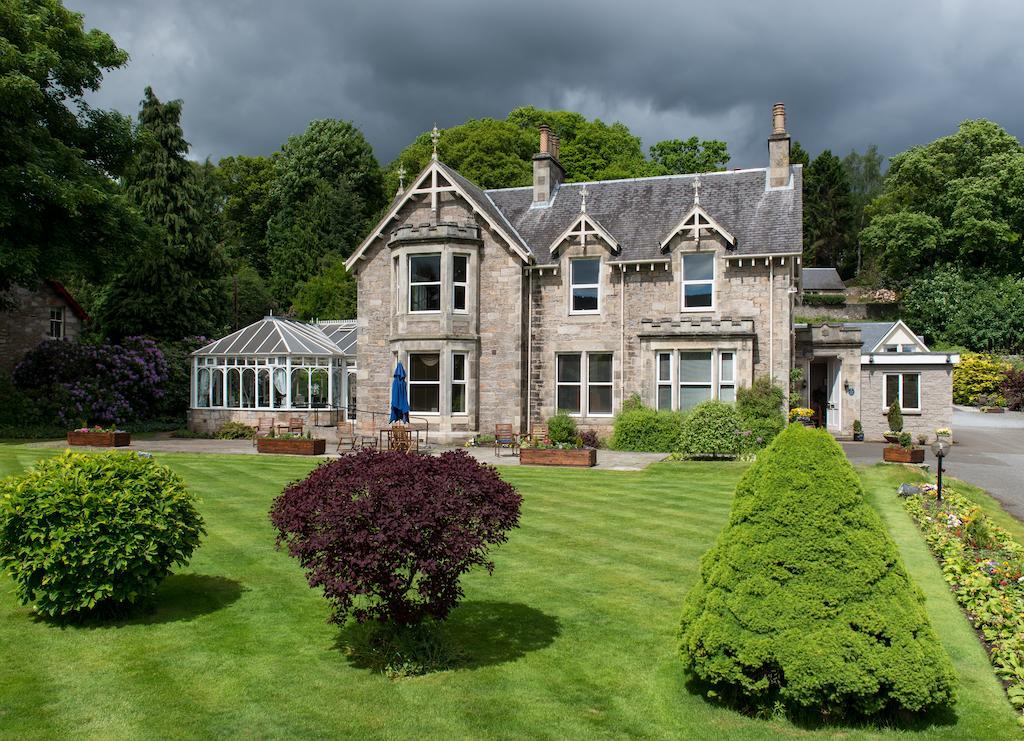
x,y
940,449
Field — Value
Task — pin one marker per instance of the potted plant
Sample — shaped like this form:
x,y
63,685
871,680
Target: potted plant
x,y
903,451
858,431
290,444
99,437
944,432
895,418
563,446
803,415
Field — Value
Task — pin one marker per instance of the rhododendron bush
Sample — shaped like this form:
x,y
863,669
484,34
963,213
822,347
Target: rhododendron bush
x,y
75,382
388,535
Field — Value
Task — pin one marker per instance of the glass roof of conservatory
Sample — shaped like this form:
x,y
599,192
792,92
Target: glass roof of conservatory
x,y
276,336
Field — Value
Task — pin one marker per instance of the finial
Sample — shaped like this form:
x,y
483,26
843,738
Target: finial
x,y
401,179
696,191
435,137
583,199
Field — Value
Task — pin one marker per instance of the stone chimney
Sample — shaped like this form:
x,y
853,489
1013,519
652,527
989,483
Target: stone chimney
x,y
547,172
778,148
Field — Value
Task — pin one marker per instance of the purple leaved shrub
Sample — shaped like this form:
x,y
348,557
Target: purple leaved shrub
x,y
388,535
75,382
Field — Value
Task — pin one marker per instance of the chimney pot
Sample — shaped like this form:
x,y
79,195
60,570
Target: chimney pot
x,y
545,139
779,118
547,172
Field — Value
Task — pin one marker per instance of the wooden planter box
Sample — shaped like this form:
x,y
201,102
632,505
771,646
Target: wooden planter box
x,y
100,439
293,446
993,410
582,457
903,455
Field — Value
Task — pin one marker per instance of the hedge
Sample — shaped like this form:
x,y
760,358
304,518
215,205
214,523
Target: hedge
x,y
803,603
824,299
645,430
977,376
711,430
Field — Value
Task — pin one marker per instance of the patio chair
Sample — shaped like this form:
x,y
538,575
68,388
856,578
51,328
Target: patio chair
x,y
505,437
538,434
295,426
400,438
262,428
347,438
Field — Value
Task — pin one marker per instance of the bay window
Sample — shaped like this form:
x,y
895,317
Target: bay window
x,y
584,279
424,283
425,383
904,389
694,378
698,280
685,378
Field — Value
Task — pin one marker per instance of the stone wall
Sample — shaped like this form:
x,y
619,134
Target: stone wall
x,y
653,291
28,323
936,400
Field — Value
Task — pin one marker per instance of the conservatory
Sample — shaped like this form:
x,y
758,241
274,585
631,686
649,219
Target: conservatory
x,y
274,371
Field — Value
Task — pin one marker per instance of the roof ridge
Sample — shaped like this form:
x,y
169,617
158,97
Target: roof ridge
x,y
738,171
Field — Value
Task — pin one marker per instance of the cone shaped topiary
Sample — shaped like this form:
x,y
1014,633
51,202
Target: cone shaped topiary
x,y
803,600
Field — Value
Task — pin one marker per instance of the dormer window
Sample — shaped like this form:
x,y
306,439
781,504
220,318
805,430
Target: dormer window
x,y
425,283
698,272
585,277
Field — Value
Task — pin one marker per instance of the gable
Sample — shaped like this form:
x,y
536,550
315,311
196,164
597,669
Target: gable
x,y
585,230
900,336
697,221
434,180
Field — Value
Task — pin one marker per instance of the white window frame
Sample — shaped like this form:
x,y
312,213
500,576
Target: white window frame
x,y
703,281
572,285
410,383
57,316
610,383
578,384
463,284
723,382
459,382
709,384
439,282
660,382
901,375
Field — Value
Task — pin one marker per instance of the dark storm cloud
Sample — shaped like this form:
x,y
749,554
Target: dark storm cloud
x,y
253,73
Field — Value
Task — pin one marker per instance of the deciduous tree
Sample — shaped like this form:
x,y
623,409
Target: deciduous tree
x,y
692,155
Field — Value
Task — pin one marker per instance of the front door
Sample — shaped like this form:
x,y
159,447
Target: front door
x,y
833,422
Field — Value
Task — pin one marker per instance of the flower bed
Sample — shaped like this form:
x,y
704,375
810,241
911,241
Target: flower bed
x,y
97,437
291,445
984,567
580,457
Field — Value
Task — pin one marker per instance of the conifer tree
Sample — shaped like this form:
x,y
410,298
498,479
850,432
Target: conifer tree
x,y
804,601
169,289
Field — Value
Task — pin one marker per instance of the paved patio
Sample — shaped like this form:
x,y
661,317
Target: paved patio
x,y
163,443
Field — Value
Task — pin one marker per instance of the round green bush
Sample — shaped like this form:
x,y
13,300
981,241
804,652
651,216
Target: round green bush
x,y
711,430
643,429
562,429
83,532
804,602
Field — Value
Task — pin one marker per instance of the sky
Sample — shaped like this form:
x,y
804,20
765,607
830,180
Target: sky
x,y
251,74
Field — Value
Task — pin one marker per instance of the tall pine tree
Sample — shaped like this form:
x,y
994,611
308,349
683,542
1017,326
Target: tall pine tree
x,y
168,290
828,211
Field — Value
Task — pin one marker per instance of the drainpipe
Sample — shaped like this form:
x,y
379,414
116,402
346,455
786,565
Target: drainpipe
x,y
622,336
529,350
771,319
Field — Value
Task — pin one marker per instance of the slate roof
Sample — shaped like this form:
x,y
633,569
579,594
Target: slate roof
x,y
276,336
341,333
821,279
640,212
871,333
485,204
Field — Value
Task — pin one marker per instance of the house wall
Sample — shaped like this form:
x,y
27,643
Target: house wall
x,y
936,400
489,333
653,291
28,323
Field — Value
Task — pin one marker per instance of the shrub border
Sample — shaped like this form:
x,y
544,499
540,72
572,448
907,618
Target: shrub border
x,y
994,608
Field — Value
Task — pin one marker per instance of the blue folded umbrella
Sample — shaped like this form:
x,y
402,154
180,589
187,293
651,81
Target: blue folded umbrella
x,y
399,396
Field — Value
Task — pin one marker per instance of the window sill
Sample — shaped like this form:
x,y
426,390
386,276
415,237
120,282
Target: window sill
x,y
697,310
905,412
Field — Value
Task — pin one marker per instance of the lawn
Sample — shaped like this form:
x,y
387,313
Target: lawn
x,y
571,637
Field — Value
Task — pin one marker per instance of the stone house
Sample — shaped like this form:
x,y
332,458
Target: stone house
x,y
507,305
49,312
